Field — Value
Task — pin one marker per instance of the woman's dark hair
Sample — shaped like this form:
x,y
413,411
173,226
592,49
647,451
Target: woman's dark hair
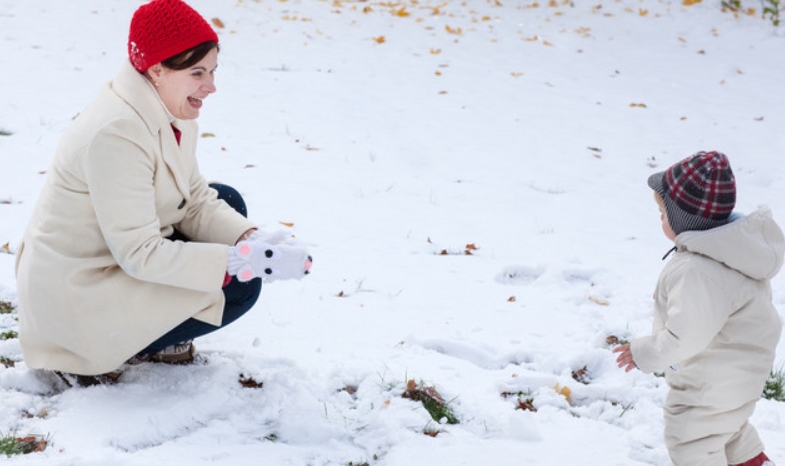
x,y
190,57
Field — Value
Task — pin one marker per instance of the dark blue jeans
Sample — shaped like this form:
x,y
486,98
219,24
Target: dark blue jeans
x,y
240,297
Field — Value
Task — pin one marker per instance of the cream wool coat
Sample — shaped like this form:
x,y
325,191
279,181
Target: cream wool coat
x,y
714,334
97,279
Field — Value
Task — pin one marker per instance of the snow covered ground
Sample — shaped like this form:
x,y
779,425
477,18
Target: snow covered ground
x,y
396,136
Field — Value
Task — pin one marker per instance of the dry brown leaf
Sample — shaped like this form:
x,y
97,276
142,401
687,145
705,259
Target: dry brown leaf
x,y
402,12
581,375
32,443
600,301
250,382
218,23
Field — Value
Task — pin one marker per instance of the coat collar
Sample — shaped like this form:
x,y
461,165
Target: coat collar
x,y
138,92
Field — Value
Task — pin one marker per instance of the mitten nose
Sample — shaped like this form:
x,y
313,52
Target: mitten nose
x,y
308,263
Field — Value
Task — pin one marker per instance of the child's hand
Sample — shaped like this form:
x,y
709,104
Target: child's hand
x,y
625,358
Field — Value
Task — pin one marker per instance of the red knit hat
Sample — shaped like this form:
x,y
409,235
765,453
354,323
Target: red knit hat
x,y
163,28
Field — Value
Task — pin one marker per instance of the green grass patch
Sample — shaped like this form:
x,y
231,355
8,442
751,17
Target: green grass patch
x,y
431,400
9,335
773,390
11,445
6,307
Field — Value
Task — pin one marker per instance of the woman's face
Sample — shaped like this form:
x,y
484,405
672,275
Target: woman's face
x,y
182,91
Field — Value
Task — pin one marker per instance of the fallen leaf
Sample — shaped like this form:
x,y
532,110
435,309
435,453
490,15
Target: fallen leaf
x,y
32,444
564,391
690,2
218,23
600,301
581,375
379,40
402,12
250,382
511,299
208,135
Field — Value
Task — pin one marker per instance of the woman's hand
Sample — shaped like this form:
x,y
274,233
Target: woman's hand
x,y
246,235
254,258
625,360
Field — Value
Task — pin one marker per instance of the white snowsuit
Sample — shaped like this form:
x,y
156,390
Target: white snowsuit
x,y
714,334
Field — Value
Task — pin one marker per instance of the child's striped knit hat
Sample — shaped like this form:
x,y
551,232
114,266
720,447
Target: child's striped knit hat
x,y
699,192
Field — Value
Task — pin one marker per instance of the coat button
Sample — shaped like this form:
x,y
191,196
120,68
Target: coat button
x,y
182,204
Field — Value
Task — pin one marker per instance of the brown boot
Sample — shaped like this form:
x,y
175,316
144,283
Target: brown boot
x,y
181,353
77,380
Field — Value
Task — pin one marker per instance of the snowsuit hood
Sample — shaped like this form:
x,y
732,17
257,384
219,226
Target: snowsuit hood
x,y
757,244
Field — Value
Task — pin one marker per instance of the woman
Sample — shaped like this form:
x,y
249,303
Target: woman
x,y
129,254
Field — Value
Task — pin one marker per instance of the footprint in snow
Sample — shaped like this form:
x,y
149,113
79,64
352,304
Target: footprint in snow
x,y
519,275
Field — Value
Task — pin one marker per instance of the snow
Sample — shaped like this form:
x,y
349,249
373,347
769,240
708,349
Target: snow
x,y
525,129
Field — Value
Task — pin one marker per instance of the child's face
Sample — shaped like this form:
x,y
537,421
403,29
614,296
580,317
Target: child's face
x,y
666,226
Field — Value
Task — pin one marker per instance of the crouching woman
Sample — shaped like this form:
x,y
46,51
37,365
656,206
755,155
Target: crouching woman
x,y
129,254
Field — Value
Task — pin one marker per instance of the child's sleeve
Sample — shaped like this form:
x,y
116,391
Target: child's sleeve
x,y
696,310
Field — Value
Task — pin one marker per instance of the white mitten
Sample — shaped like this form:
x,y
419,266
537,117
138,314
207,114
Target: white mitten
x,y
270,237
282,261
